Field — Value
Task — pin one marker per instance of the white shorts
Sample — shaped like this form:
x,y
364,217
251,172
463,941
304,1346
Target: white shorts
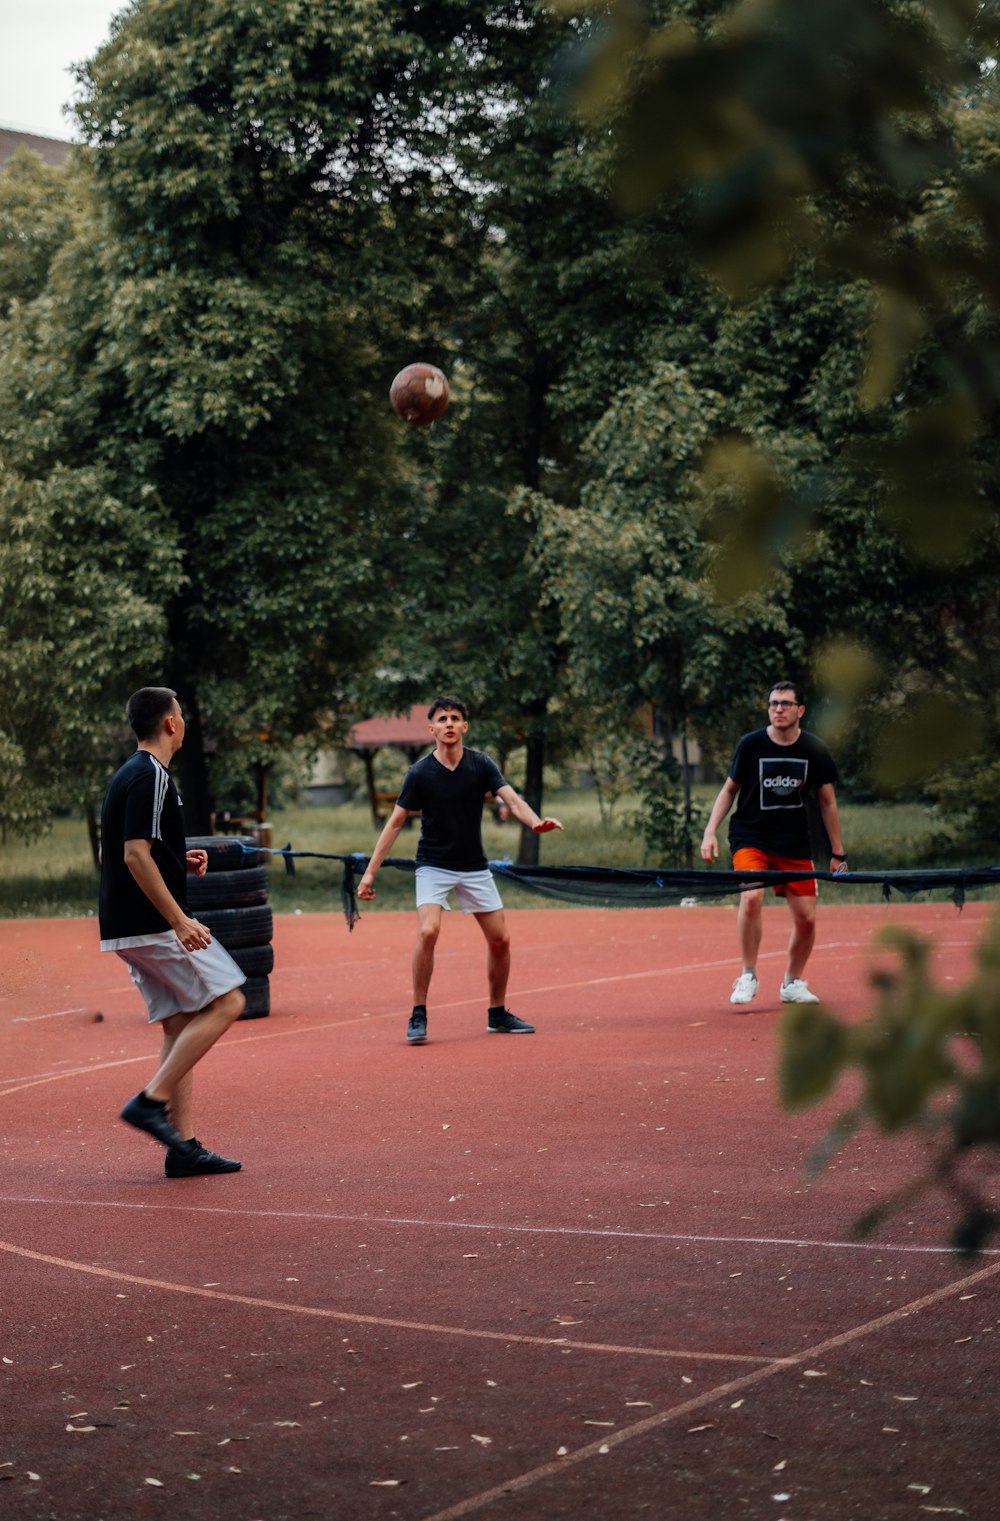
x,y
175,981
476,891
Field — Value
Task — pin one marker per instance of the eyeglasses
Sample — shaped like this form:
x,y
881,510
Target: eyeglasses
x,y
784,702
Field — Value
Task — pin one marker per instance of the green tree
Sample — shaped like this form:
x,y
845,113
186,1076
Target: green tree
x,y
861,134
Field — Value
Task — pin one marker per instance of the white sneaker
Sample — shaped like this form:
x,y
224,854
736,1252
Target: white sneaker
x,y
744,988
797,991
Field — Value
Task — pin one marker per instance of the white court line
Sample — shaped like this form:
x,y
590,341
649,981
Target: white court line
x,y
32,1019
604,1445
321,1312
497,1229
22,1084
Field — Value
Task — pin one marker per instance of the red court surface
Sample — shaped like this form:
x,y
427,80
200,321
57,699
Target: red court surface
x,y
575,1274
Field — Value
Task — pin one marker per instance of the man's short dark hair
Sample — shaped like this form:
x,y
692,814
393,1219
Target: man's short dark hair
x,y
147,709
448,705
788,686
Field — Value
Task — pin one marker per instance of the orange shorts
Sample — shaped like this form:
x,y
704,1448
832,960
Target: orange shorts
x,y
749,858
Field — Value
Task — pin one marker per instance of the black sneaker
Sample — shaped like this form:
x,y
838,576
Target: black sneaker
x,y
416,1030
151,1116
193,1160
503,1022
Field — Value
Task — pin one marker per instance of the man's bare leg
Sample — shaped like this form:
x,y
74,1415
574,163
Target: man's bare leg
x,y
187,1038
428,929
803,936
750,926
494,927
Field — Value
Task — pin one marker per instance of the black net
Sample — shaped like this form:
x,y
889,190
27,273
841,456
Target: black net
x,y
652,887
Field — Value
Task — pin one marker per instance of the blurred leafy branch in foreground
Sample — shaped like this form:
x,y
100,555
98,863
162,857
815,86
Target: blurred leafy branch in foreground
x,y
860,137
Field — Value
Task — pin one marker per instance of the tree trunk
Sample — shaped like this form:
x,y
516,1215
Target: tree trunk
x,y
534,781
686,781
192,766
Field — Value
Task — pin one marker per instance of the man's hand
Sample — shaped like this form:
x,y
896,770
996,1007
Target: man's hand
x,y
192,935
366,887
838,865
709,846
545,825
197,862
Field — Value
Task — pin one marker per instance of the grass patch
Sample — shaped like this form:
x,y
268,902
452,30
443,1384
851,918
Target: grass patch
x,y
55,876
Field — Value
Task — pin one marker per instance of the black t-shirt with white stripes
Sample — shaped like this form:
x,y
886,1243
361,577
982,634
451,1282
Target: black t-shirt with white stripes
x,y
141,803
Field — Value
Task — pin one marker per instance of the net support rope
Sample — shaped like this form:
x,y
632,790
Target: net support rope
x,y
651,887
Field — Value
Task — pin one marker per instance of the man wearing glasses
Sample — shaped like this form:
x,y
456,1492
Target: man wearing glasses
x,y
774,771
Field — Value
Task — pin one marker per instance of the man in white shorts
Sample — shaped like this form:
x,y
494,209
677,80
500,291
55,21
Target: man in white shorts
x,y
448,789
190,985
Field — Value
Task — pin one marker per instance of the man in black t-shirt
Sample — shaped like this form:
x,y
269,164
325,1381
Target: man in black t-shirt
x,y
190,984
775,773
448,788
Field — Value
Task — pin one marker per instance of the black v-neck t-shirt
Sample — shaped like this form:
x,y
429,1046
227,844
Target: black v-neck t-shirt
x,y
451,806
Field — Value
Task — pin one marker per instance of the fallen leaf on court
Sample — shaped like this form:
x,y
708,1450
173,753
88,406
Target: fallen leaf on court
x,y
629,1404
225,1442
943,1510
867,1383
893,1430
598,1423
156,1483
491,1383
779,1466
78,1415
288,1423
968,1296
470,1254
604,1447
707,1427
585,1283
234,1470
813,1373
485,1441
445,1127
314,1403
34,1475
561,1452
194,1475
685,1379
383,1483
737,1275
567,1320
81,1428
906,1399
9,1361
189,1433
415,1385
960,1339
781,1497
215,1285
921,1489
446,1449
736,1404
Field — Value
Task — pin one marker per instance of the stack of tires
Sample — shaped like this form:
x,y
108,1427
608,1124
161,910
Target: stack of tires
x,y
231,900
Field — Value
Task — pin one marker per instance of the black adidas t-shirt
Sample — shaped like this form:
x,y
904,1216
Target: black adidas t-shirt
x,y
777,783
451,803
141,803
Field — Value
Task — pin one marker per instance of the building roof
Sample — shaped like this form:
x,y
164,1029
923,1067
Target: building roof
x,y
406,729
52,150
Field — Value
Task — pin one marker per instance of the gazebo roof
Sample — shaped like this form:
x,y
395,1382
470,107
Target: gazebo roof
x,y
405,729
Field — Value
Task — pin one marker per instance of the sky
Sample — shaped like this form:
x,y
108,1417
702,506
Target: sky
x,y
39,40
